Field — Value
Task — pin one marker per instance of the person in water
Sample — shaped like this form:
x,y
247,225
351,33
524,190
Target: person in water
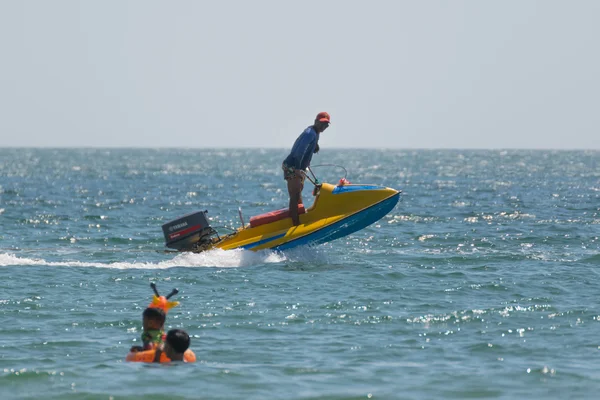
x,y
176,344
153,321
296,163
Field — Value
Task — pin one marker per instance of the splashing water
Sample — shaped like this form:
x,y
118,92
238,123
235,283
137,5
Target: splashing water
x,y
213,258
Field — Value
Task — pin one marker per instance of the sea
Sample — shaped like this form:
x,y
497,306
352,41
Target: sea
x,y
482,283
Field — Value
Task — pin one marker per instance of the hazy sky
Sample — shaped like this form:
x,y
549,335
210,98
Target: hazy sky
x,y
392,74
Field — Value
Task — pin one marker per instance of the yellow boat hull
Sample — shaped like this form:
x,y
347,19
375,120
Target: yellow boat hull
x,y
337,211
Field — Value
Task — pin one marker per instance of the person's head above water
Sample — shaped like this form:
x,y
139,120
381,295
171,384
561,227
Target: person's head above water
x,y
153,318
176,343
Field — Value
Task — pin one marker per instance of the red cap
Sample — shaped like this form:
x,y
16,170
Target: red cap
x,y
323,117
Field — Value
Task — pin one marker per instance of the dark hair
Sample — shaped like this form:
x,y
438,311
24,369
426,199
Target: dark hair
x,y
155,314
178,339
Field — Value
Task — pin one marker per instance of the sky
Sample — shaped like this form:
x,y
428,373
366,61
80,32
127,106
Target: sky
x,y
392,74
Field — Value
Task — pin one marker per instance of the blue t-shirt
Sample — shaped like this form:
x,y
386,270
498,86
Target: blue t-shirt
x,y
303,149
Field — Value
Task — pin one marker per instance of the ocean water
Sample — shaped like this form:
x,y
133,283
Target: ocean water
x,y
481,283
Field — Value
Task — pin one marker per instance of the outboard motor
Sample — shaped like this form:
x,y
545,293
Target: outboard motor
x,y
188,232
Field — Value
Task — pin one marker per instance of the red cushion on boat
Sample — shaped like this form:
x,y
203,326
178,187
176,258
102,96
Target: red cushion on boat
x,y
273,216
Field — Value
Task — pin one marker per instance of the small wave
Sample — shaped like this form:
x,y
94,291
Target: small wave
x,y
595,259
214,258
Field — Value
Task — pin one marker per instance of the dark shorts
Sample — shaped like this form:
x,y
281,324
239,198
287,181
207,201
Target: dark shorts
x,y
290,172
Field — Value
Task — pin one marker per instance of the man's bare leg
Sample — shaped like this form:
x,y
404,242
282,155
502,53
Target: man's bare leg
x,y
295,192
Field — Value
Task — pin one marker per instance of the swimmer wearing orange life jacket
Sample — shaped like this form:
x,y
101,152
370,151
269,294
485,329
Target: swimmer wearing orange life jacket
x,y
176,347
153,333
158,347
153,320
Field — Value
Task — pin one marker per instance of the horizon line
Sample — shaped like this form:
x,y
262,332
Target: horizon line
x,y
286,148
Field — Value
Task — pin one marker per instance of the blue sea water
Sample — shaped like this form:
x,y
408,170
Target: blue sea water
x,y
481,283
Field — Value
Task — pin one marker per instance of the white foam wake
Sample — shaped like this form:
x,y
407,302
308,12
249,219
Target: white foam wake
x,y
213,258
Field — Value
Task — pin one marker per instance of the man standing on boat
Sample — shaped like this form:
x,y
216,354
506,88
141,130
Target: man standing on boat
x,y
295,165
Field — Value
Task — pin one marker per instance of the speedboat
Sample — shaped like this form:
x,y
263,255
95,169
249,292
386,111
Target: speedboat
x,y
337,211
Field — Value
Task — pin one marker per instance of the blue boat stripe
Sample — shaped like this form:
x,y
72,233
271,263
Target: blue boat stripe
x,y
263,241
353,188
